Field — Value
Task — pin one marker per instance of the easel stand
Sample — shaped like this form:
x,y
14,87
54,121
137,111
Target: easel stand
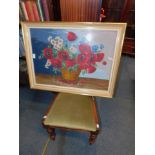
x,y
72,112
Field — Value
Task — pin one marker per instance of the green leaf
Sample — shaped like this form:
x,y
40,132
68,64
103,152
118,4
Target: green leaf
x,y
70,69
74,55
63,64
55,70
83,72
55,53
71,56
76,67
61,48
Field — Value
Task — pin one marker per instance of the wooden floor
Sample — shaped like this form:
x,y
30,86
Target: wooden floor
x,y
81,83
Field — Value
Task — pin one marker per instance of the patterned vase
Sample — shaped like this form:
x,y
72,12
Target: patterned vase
x,y
70,76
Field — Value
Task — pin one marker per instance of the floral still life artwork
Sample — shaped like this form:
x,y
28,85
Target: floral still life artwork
x,y
70,61
72,57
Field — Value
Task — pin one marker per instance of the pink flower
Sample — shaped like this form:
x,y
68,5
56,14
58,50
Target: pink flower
x,y
73,49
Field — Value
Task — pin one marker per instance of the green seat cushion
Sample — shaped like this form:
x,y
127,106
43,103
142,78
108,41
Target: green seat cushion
x,y
71,111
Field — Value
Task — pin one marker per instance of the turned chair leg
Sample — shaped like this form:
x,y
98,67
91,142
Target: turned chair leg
x,y
51,132
93,136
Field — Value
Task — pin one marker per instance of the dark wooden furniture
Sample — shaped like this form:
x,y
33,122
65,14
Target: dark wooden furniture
x,y
23,74
72,112
80,10
129,46
122,11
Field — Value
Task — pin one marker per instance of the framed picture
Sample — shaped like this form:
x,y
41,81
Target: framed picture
x,y
71,57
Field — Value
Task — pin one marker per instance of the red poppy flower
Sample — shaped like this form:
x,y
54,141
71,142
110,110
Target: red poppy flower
x,y
100,56
93,58
104,62
48,53
70,63
91,69
71,36
63,55
83,66
56,63
82,59
85,48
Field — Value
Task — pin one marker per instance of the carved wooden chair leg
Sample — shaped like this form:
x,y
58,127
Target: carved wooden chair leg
x,y
51,132
93,136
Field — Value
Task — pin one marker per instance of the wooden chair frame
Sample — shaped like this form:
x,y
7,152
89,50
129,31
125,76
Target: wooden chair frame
x,y
93,134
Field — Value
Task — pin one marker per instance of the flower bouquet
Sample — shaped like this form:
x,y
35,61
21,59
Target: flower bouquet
x,y
70,57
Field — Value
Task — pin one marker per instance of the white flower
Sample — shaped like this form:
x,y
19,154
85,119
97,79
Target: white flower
x,y
48,63
52,41
59,45
60,41
56,47
49,38
57,42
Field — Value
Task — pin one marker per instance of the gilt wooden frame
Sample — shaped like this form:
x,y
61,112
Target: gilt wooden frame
x,y
119,28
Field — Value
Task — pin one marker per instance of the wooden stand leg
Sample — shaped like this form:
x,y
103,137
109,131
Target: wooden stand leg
x,y
93,136
51,132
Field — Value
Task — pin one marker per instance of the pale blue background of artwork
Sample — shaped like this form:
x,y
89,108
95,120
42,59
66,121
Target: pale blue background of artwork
x,y
98,74
39,41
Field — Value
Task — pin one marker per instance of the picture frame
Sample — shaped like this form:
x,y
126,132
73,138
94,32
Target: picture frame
x,y
73,57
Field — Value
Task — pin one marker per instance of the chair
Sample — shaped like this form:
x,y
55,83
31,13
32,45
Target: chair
x,y
72,112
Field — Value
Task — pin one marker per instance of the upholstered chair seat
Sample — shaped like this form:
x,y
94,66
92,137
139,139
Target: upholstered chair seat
x,y
71,111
